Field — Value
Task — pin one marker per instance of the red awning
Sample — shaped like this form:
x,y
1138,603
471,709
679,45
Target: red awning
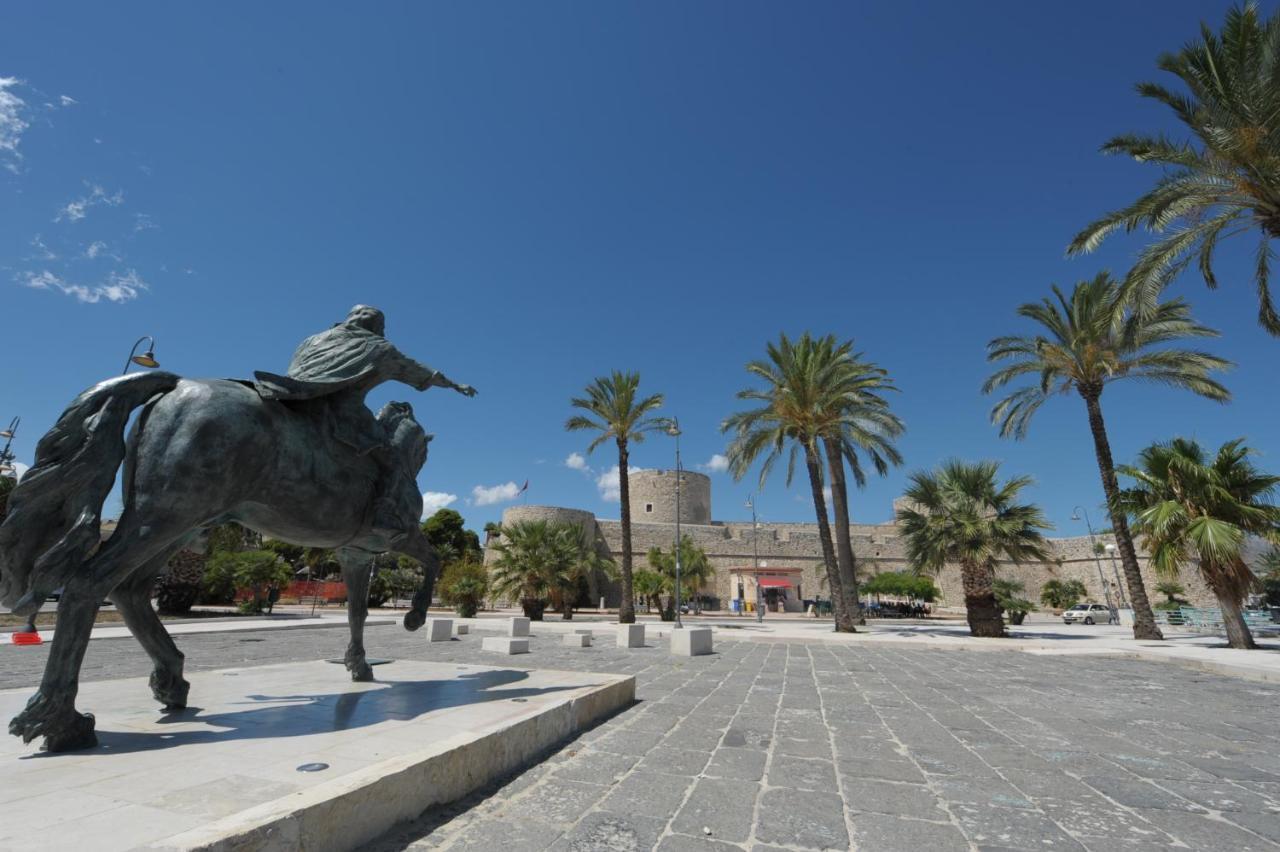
x,y
774,583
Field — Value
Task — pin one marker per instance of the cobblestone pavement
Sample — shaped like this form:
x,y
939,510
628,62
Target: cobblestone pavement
x,y
768,746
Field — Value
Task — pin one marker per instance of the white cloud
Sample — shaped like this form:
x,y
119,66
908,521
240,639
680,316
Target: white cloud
x,y
482,496
12,123
21,469
718,463
609,485
67,100
434,501
95,248
117,288
143,222
577,461
76,210
44,253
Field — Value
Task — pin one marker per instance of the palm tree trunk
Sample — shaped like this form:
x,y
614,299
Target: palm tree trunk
x,y
1238,634
627,610
846,562
986,618
844,623
1144,620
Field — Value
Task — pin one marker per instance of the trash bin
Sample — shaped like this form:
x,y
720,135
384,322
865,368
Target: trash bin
x,y
733,606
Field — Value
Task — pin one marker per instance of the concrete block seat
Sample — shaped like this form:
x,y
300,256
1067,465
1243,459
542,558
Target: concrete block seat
x,y
691,641
505,644
439,629
630,635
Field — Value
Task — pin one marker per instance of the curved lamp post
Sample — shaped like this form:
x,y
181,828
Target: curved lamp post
x,y
673,429
1111,551
146,359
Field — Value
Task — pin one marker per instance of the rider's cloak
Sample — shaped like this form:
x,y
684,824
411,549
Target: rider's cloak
x,y
326,363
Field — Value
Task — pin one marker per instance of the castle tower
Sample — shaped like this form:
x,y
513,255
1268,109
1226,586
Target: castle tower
x,y
653,497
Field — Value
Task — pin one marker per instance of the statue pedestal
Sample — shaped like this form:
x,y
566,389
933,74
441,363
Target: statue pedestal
x,y
227,774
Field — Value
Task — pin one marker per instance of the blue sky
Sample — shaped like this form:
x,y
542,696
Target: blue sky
x,y
540,193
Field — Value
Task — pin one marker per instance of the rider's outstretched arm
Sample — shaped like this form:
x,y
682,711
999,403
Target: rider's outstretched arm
x,y
421,377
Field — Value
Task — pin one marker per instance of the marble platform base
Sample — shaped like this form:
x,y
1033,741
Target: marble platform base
x,y
223,774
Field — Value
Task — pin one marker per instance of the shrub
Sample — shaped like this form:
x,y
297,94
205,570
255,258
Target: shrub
x,y
1062,594
259,571
1015,608
464,586
902,584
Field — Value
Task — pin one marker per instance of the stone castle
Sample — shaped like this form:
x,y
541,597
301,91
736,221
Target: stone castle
x,y
790,554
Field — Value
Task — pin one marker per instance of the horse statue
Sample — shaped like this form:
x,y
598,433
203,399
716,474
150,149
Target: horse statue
x,y
297,458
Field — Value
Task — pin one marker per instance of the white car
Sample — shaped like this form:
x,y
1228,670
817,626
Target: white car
x,y
1089,613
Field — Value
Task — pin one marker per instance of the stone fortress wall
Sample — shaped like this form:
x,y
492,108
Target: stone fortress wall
x,y
878,547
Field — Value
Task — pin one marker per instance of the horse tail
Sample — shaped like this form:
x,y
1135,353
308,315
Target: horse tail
x,y
54,518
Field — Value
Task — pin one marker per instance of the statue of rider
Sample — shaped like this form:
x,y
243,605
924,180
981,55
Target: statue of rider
x,y
341,366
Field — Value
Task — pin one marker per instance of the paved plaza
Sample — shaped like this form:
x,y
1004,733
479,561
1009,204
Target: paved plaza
x,y
812,745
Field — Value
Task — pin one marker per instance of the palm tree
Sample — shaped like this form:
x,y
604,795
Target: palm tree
x,y
614,411
1188,506
858,421
1224,182
795,412
958,513
649,585
695,569
1085,343
537,563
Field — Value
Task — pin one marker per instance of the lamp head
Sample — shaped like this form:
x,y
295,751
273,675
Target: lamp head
x,y
1075,516
146,359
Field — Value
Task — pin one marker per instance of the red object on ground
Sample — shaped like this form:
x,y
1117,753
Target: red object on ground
x,y
27,639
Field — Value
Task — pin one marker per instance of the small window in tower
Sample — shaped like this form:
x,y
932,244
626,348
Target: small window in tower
x,y
648,507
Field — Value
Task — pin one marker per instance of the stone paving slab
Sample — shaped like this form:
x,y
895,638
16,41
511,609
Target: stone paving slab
x,y
989,749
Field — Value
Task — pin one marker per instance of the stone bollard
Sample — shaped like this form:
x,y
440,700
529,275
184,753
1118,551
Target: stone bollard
x,y
576,640
630,635
691,641
518,627
505,645
439,629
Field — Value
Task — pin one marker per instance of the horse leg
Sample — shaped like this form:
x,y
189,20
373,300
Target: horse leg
x,y
133,599
356,565
51,712
416,546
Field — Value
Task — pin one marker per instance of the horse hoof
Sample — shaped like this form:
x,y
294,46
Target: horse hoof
x,y
170,690
62,727
413,619
76,735
362,672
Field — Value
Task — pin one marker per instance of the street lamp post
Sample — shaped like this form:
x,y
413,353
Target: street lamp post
x,y
673,429
1111,551
146,359
1106,587
755,556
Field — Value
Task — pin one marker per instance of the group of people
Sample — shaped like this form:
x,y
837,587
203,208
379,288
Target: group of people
x,y
899,609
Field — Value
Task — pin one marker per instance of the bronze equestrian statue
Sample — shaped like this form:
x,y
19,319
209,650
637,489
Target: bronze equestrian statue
x,y
298,458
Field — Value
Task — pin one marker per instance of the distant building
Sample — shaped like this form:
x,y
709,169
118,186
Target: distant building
x,y
790,567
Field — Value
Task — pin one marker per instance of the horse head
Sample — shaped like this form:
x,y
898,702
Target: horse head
x,y
405,434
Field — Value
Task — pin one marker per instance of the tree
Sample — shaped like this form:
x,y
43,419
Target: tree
x,y
695,569
178,589
1271,576
447,532
1008,595
799,406
258,571
537,560
615,410
463,586
858,422
649,586
902,584
1172,591
1062,594
1085,343
959,513
1225,181
7,484
1188,507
